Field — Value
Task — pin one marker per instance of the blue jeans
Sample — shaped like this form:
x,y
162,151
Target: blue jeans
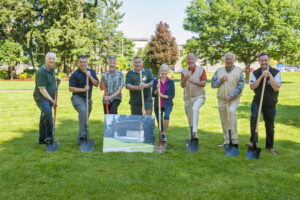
x,y
165,114
46,120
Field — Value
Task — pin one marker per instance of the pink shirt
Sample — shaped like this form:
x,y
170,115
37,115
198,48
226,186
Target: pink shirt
x,y
163,87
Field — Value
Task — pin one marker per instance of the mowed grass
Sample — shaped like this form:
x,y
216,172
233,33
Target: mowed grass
x,y
28,172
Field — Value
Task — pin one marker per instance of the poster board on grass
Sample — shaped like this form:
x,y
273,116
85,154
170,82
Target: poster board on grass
x,y
129,133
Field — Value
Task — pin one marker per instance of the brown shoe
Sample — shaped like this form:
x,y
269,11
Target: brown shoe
x,y
272,152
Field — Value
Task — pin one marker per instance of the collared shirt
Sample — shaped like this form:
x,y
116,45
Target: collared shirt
x,y
133,78
277,78
113,82
215,83
45,78
78,80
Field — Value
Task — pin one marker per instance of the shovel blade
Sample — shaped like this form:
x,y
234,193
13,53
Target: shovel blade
x,y
253,153
86,145
160,147
54,146
192,145
231,150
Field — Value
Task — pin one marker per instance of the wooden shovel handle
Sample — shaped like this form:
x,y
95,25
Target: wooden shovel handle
x,y
260,104
227,108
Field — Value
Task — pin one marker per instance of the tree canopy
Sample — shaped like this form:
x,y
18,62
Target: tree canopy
x,y
244,27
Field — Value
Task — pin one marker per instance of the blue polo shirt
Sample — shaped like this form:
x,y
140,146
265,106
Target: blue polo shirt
x,y
78,80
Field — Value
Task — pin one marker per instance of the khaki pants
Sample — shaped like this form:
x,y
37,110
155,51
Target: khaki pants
x,y
197,102
232,106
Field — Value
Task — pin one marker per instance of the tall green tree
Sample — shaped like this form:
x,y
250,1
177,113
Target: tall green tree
x,y
162,48
244,27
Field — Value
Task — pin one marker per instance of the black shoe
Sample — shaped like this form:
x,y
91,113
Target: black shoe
x,y
48,140
42,142
83,137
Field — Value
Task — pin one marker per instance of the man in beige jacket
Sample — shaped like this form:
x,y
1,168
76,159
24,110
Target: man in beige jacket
x,y
193,80
234,78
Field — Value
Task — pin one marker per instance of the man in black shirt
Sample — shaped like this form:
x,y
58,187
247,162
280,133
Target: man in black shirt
x,y
77,85
270,99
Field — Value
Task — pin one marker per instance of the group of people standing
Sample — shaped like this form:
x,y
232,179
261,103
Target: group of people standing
x,y
143,87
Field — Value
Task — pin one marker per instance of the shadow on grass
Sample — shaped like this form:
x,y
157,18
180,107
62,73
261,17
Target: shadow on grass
x,y
285,114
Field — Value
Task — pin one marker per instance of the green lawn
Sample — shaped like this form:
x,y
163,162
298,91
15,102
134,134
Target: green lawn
x,y
27,172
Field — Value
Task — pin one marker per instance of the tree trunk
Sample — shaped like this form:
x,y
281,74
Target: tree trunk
x,y
82,9
247,77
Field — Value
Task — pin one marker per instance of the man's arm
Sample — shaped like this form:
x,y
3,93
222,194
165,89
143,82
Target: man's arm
x,y
47,96
275,81
184,79
78,90
94,81
238,90
254,83
132,87
202,81
215,82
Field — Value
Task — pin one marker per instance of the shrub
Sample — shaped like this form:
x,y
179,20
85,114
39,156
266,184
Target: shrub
x,y
23,76
4,74
30,73
62,75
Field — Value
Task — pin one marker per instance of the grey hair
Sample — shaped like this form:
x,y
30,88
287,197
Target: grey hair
x,y
137,57
191,54
229,54
163,66
50,54
112,58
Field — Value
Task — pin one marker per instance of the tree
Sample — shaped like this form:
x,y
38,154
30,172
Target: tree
x,y
162,48
10,55
244,27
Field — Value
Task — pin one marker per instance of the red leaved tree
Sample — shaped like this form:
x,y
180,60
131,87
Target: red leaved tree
x,y
162,49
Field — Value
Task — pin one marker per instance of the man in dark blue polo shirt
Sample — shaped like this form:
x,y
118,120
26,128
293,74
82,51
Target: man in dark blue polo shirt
x,y
77,85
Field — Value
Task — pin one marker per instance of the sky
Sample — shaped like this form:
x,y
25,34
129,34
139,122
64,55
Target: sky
x,y
142,16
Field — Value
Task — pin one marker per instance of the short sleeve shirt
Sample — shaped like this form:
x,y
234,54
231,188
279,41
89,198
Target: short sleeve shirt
x,y
113,82
45,78
78,80
133,78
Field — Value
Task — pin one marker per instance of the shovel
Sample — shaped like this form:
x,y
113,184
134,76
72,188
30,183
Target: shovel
x,y
230,149
192,144
142,93
254,152
160,147
87,145
54,146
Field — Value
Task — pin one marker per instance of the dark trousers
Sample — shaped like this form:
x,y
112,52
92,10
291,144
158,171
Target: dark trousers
x,y
269,117
112,107
46,121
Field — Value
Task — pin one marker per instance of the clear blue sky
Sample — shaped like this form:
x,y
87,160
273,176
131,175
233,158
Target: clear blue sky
x,y
141,17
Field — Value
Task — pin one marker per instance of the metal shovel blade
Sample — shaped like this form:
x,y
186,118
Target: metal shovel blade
x,y
54,146
253,153
160,147
231,150
86,145
192,145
